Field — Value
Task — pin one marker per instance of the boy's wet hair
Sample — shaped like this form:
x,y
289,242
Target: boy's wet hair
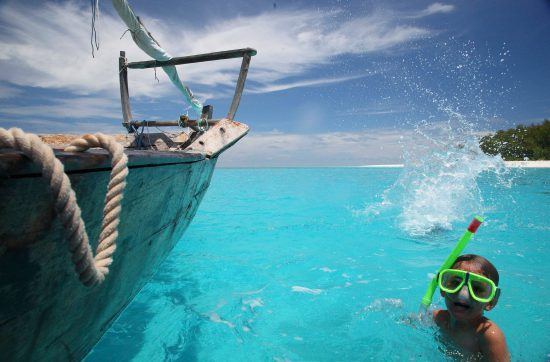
x,y
485,265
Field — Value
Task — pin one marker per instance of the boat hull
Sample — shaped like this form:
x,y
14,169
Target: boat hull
x,y
45,312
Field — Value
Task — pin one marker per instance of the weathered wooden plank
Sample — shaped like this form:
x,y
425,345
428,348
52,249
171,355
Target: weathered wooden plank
x,y
228,54
218,138
45,313
14,163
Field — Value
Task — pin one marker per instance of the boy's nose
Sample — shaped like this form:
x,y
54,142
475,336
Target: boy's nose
x,y
464,293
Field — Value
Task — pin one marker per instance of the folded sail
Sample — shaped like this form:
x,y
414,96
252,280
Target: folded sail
x,y
150,46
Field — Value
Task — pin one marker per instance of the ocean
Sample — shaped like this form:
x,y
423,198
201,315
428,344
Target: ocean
x,y
324,264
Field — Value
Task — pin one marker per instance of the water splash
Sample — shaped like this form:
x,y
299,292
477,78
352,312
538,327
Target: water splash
x,y
439,182
454,94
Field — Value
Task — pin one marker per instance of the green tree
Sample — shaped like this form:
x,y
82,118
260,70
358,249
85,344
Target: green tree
x,y
518,143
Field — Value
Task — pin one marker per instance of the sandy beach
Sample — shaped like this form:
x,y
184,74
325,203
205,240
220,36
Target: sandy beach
x,y
528,164
521,164
384,166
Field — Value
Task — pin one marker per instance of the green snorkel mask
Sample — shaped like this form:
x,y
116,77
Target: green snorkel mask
x,y
427,299
481,288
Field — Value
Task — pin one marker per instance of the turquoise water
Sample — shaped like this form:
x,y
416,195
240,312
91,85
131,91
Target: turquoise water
x,y
317,264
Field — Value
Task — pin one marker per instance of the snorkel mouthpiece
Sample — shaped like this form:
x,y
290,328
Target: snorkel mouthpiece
x,y
472,228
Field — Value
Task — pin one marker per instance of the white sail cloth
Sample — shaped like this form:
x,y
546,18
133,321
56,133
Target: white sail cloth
x,y
146,43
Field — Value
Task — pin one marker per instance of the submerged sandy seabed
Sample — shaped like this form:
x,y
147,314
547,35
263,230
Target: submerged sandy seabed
x,y
522,164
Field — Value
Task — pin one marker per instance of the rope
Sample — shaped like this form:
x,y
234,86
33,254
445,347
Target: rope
x,y
91,270
95,17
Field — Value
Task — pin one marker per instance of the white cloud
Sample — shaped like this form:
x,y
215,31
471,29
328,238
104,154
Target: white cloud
x,y
435,8
275,149
304,83
291,43
77,107
439,8
272,149
49,46
45,126
374,110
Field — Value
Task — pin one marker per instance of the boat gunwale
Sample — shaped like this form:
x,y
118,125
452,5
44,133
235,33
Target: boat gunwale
x,y
14,164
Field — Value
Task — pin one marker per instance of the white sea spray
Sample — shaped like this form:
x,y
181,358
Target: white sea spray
x,y
439,183
443,161
384,304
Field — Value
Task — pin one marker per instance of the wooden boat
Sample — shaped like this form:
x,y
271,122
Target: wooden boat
x,y
46,313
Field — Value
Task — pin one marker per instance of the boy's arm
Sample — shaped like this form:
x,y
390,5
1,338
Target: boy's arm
x,y
493,345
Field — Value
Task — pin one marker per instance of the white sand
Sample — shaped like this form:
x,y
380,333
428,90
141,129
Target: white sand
x,y
528,164
383,166
522,164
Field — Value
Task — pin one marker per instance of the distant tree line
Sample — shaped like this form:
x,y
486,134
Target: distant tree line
x,y
518,143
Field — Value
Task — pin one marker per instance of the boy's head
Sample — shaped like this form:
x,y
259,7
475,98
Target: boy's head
x,y
485,266
461,304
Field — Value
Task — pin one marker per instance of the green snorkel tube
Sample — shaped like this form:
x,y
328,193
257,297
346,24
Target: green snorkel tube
x,y
427,299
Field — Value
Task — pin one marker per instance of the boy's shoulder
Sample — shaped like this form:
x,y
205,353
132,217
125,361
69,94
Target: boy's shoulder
x,y
490,338
490,332
492,341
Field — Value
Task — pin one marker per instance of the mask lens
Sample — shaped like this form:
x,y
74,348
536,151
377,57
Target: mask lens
x,y
451,280
481,288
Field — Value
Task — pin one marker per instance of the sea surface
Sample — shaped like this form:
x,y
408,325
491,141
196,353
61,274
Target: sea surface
x,y
328,264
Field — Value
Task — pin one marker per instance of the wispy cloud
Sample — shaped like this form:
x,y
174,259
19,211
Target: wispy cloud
x,y
276,149
303,83
47,125
48,47
435,8
376,109
77,107
289,44
366,112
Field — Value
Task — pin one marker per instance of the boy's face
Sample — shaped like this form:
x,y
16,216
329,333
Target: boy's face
x,y
461,305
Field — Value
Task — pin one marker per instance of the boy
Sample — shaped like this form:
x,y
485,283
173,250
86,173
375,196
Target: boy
x,y
469,289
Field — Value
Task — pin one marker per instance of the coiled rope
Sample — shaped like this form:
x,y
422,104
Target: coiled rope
x,y
91,270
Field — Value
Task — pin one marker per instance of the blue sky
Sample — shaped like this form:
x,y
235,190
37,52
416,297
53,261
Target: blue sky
x,y
334,82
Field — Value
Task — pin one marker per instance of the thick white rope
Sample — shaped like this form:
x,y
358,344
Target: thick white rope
x,y
91,270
